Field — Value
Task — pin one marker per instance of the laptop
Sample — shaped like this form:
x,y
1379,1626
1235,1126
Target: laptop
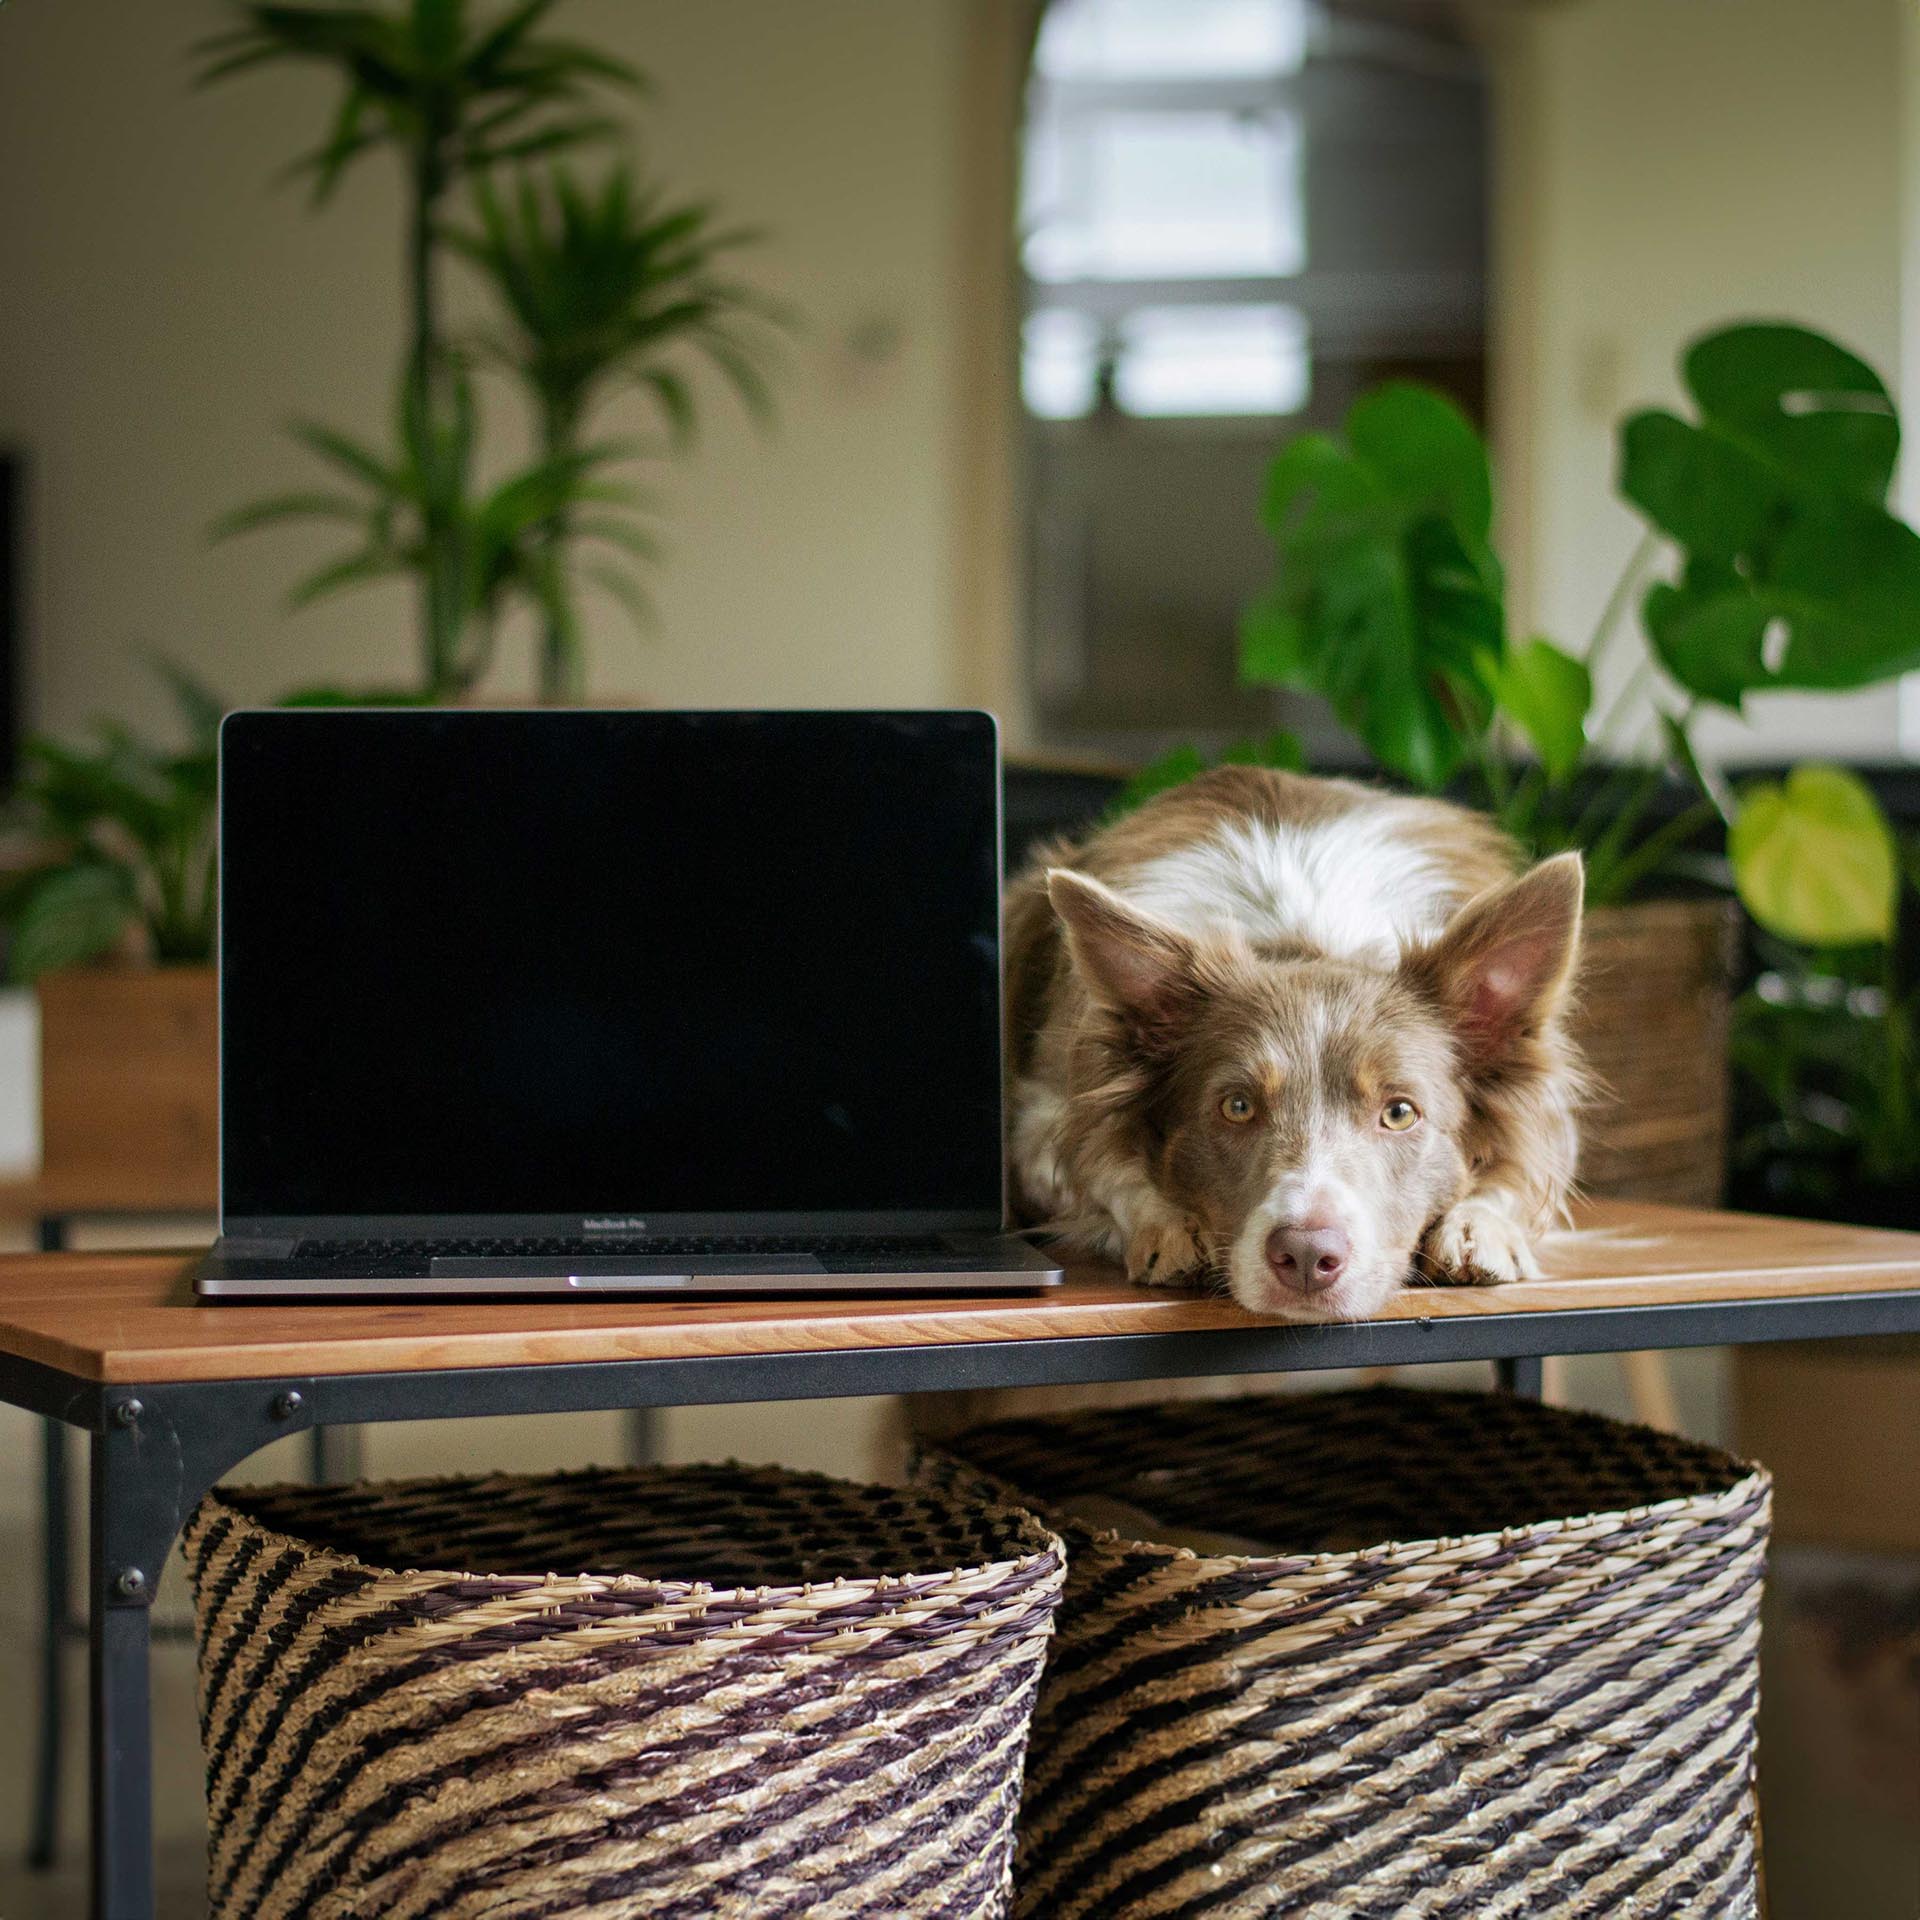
x,y
664,1005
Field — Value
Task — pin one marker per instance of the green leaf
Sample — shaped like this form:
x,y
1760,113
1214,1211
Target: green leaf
x,y
355,570
1704,492
606,284
1280,749
1178,765
1389,602
624,587
287,506
1675,730
1174,768
1423,448
200,708
75,914
1814,859
1816,409
1547,694
1792,574
354,456
1273,645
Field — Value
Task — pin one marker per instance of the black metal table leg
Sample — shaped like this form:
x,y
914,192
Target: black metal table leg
x,y
43,1837
336,1455
155,1451
119,1592
1525,1376
56,1522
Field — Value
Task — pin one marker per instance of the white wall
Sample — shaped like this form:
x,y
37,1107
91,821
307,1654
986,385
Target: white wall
x,y
163,310
1673,164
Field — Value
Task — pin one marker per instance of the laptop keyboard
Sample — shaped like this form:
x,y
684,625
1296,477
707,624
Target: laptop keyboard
x,y
358,1253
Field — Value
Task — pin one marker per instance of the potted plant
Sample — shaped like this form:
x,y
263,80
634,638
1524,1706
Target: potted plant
x,y
605,286
1785,569
109,910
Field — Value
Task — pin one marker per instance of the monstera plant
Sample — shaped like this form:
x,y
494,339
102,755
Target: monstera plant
x,y
1390,600
1786,569
1770,560
1793,572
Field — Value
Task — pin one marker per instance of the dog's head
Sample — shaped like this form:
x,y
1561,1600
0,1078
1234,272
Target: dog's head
x,y
1314,1116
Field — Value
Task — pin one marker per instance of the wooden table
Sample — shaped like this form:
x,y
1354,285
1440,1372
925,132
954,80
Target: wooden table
x,y
173,1395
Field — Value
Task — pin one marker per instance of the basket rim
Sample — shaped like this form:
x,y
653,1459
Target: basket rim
x,y
1431,1546
1745,1479
1045,1543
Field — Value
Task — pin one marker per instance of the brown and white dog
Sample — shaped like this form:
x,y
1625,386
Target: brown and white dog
x,y
1297,1035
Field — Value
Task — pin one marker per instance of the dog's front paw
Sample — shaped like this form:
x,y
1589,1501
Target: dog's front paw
x,y
1477,1244
1165,1253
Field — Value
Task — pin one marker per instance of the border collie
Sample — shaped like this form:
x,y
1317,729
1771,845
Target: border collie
x,y
1298,1036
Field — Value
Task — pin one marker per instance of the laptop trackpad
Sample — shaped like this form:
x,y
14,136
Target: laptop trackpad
x,y
604,1269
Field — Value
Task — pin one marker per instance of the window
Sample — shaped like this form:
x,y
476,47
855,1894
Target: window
x,y
1162,158
1233,214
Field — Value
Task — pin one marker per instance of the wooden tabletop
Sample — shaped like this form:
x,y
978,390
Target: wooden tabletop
x,y
131,1317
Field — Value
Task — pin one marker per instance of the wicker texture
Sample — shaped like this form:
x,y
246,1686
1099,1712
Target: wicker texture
x,y
1538,1700
1653,1018
776,1694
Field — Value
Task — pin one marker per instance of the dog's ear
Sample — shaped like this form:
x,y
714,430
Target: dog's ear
x,y
1132,963
1501,968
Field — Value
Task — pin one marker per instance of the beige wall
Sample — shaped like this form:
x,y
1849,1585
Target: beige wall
x,y
1671,164
162,310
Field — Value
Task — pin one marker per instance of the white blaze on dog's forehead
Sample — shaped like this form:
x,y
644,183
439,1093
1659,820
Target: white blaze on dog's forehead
x,y
1355,886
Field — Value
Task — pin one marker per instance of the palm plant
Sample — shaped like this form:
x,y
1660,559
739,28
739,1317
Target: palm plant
x,y
450,94
422,503
604,289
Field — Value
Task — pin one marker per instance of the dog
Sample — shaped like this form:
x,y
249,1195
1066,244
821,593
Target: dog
x,y
1300,1036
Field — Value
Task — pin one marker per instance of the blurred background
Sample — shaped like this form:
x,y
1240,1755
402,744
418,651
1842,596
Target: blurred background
x,y
937,352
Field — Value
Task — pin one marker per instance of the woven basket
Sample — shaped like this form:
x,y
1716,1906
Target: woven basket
x,y
778,1694
1653,1019
1536,1699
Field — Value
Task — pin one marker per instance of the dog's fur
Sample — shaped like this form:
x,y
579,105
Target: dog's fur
x,y
1213,1003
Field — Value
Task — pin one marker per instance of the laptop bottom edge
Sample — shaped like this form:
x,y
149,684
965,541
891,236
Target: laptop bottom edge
x,y
1006,1265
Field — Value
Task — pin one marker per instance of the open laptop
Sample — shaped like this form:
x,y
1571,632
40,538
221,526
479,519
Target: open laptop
x,y
651,1004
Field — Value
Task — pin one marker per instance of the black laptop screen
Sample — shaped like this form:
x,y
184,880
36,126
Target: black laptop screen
x,y
583,963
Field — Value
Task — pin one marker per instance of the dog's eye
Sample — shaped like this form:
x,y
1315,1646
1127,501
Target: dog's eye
x,y
1398,1115
1236,1107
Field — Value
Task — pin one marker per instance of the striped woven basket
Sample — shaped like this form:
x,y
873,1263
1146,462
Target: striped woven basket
x,y
775,1694
1436,1655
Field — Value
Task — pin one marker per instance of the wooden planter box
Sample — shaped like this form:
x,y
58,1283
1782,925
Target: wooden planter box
x,y
129,1089
1656,1003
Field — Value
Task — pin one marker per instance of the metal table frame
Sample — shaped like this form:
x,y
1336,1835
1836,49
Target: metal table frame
x,y
335,1456
154,1450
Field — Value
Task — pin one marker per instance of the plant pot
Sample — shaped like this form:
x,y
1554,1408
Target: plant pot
x,y
1655,1006
129,1089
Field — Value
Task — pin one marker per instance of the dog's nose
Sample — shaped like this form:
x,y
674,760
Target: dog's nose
x,y
1308,1257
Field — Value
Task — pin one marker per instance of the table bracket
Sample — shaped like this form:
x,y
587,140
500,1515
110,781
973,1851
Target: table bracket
x,y
157,1450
